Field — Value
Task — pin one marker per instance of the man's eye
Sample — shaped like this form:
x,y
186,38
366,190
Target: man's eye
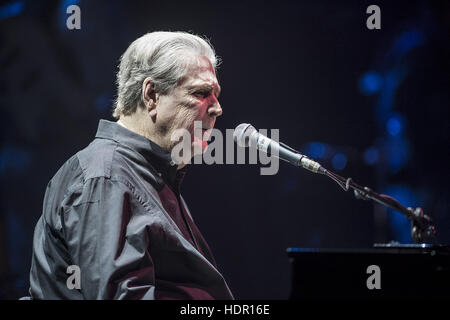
x,y
202,94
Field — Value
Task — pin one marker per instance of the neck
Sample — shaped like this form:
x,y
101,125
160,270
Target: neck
x,y
138,125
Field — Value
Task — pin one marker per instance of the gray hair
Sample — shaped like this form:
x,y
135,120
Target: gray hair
x,y
160,55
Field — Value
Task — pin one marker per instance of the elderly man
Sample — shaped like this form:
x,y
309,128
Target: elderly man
x,y
114,225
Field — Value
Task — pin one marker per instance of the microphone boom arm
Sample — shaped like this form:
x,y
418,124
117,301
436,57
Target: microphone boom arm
x,y
422,226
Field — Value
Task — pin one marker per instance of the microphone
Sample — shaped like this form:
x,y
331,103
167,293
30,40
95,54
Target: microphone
x,y
245,135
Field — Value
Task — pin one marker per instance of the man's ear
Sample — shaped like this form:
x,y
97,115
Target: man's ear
x,y
149,96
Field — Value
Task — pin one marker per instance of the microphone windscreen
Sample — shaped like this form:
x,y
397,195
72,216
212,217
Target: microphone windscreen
x,y
242,133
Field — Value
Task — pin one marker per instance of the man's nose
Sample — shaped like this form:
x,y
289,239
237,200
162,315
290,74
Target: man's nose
x,y
215,110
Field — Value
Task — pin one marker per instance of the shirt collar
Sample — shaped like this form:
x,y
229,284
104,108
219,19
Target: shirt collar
x,y
159,158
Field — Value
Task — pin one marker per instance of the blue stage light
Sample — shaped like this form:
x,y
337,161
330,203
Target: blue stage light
x,y
397,150
401,227
394,125
370,83
66,3
408,40
11,10
339,161
371,156
316,150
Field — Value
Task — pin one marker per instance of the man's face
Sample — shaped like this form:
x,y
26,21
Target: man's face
x,y
194,99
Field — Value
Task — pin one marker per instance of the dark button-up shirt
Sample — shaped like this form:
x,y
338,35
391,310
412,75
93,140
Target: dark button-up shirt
x,y
114,211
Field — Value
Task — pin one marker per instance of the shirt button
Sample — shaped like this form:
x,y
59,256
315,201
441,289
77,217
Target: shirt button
x,y
172,163
159,174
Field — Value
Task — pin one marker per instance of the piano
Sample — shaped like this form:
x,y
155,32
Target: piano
x,y
384,272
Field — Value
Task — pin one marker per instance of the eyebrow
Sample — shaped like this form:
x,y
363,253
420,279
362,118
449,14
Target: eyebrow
x,y
217,89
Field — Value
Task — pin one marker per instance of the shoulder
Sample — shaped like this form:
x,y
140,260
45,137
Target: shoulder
x,y
96,159
81,174
102,169
105,158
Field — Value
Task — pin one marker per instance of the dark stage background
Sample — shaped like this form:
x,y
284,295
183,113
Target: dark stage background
x,y
370,104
